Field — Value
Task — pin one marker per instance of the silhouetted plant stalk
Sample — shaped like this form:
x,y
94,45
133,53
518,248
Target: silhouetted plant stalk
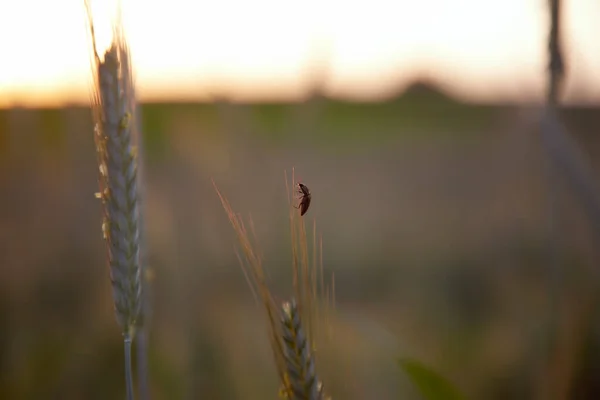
x,y
292,326
113,110
566,160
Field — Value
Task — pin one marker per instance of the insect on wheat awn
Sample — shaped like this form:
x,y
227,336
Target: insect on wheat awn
x,y
305,198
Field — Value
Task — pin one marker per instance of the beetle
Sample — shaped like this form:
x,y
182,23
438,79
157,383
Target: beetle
x,y
305,198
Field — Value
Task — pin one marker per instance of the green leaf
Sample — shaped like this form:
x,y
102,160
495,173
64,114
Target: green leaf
x,y
431,385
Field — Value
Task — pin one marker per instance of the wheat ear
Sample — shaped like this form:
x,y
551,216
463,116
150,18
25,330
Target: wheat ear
x,y
285,333
302,381
113,108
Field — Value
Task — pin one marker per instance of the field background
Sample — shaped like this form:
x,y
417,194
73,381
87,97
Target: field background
x,y
435,218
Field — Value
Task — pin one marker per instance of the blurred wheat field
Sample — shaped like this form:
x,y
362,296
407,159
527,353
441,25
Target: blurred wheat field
x,y
433,216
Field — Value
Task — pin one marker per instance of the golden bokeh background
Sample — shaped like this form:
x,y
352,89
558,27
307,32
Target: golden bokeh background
x,y
416,125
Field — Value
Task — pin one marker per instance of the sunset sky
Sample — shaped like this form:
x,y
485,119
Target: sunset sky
x,y
480,50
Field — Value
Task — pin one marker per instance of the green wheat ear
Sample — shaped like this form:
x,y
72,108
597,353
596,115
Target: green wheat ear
x,y
301,381
113,107
117,160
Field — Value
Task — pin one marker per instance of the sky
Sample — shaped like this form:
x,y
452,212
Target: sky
x,y
477,50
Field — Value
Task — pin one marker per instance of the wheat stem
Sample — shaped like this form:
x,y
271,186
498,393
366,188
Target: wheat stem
x,y
127,339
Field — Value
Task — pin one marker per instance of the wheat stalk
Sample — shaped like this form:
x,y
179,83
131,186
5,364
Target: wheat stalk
x,y
305,278
113,107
